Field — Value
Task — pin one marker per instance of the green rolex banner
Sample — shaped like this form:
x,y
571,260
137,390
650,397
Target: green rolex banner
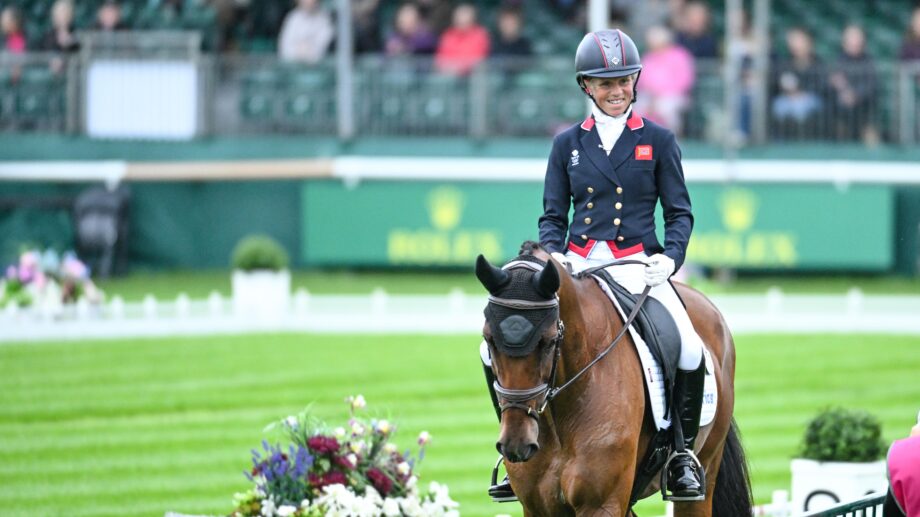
x,y
759,226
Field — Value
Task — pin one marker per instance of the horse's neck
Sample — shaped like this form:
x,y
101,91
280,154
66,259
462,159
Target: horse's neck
x,y
591,323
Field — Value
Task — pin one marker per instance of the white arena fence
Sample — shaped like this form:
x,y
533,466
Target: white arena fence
x,y
453,313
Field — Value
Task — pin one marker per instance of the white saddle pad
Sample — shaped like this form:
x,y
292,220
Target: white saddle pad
x,y
654,378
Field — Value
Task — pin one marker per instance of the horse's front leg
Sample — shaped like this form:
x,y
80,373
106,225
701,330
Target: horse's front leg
x,y
599,485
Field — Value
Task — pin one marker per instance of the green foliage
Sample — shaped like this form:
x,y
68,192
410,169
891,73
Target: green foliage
x,y
13,291
839,434
256,252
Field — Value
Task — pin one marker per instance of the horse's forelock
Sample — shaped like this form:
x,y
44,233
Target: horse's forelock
x,y
529,248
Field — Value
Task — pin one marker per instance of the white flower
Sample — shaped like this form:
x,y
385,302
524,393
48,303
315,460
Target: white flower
x,y
403,468
357,447
339,432
357,429
352,459
389,448
384,427
357,402
423,438
411,483
286,510
391,507
291,421
268,508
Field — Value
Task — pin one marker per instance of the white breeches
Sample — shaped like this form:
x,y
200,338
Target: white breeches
x,y
630,277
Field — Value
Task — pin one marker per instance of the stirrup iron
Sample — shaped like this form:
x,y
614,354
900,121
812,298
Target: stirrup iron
x,y
665,492
499,493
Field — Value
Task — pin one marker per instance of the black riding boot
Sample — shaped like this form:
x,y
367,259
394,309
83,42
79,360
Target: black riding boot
x,y
500,492
685,476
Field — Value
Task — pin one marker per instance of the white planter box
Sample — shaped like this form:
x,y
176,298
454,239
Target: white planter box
x,y
819,485
262,295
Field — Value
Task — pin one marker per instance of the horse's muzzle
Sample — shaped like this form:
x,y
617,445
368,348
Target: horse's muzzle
x,y
517,454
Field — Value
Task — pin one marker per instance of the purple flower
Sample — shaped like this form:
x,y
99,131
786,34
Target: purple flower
x,y
11,273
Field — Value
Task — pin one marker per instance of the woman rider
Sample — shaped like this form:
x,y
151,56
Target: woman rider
x,y
614,168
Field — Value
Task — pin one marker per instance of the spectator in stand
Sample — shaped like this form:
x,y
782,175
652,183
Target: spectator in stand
x,y
694,33
904,476
798,87
641,15
14,41
464,44
668,75
108,17
910,48
411,36
60,36
510,41
366,17
855,87
436,13
306,33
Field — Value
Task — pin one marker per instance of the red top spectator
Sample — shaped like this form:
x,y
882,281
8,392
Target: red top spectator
x,y
464,44
15,40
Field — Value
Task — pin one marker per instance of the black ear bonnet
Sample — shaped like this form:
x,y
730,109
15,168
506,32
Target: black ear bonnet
x,y
522,304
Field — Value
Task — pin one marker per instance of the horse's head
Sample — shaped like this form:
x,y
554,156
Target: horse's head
x,y
524,332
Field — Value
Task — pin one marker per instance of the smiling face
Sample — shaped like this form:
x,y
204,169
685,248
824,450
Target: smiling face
x,y
612,94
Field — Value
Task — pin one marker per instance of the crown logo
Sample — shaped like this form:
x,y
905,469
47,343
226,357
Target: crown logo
x,y
739,208
445,207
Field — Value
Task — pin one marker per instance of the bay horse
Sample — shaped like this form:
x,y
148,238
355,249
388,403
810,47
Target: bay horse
x,y
579,453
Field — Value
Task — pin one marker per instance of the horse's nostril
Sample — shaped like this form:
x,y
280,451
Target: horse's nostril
x,y
531,450
498,447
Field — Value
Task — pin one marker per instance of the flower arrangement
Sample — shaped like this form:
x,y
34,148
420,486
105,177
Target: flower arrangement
x,y
346,471
47,280
259,252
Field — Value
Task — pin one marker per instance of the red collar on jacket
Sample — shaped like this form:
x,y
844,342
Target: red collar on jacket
x,y
634,122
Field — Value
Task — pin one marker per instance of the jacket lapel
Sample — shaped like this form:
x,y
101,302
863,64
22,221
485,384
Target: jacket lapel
x,y
626,144
591,144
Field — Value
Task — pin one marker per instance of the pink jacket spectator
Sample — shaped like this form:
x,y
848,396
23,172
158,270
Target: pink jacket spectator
x,y
16,43
667,72
904,474
459,50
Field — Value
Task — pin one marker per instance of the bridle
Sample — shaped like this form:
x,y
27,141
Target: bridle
x,y
546,391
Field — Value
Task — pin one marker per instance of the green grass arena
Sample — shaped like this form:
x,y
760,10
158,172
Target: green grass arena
x,y
141,427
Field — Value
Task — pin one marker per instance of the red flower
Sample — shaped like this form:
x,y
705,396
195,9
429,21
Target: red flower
x,y
343,462
381,482
329,478
323,444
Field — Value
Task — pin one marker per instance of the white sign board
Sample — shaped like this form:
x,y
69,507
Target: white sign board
x,y
142,99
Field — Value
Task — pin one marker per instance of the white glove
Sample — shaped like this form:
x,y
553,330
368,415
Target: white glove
x,y
560,258
658,269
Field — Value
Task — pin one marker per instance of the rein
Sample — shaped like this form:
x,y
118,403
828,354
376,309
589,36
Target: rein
x,y
549,391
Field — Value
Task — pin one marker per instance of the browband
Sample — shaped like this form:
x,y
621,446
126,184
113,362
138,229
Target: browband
x,y
524,304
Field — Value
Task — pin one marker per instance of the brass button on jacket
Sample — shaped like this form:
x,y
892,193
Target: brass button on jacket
x,y
590,205
620,239
619,190
587,220
618,205
590,190
584,237
616,221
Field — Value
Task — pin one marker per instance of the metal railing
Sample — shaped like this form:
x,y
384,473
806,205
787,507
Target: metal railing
x,y
869,506
408,97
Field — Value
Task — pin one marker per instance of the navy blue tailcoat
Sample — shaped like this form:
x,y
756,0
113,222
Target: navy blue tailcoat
x,y
615,196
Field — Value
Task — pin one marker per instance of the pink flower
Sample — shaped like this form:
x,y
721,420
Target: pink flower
x,y
11,273
323,444
382,483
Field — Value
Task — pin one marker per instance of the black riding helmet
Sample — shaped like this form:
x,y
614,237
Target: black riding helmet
x,y
606,53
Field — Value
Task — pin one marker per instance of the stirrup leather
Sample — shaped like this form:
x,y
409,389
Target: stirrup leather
x,y
665,491
501,492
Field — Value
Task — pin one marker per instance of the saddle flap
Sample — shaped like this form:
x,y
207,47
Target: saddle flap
x,y
656,326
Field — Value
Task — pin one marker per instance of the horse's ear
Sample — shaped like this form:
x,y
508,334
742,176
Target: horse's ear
x,y
491,277
546,282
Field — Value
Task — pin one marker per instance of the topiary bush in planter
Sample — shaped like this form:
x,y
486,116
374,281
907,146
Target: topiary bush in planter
x,y
261,281
841,460
257,252
838,434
